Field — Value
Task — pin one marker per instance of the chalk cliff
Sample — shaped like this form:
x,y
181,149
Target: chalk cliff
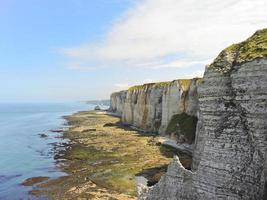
x,y
117,101
160,107
230,152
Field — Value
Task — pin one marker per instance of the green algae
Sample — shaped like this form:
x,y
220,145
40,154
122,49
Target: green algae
x,y
253,48
83,153
111,156
115,170
183,125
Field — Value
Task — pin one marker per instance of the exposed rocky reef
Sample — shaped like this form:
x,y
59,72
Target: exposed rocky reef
x,y
160,107
230,152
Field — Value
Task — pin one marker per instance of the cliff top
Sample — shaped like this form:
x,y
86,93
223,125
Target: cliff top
x,y
185,83
119,92
252,48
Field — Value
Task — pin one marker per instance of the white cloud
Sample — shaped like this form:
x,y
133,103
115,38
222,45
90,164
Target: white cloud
x,y
173,33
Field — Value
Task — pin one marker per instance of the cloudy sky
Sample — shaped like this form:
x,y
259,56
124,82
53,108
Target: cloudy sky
x,y
68,50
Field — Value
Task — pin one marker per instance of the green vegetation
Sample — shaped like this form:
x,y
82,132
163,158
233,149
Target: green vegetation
x,y
139,87
81,153
185,83
183,125
251,49
155,85
117,93
163,84
109,158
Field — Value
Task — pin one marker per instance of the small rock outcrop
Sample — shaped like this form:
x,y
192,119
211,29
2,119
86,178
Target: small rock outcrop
x,y
97,108
229,160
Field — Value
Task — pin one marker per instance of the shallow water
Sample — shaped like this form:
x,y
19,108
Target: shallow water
x,y
23,153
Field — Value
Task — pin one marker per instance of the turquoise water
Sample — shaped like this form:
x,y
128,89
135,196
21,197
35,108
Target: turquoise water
x,y
23,153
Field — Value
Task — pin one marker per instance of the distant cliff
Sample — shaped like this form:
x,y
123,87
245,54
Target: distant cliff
x,y
117,101
229,159
167,108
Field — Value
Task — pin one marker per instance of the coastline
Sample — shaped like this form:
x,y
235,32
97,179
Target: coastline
x,y
28,142
104,157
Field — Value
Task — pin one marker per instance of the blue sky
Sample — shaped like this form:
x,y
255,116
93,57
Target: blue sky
x,y
71,50
31,68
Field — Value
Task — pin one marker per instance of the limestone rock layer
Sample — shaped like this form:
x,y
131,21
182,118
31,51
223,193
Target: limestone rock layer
x,y
229,160
150,107
117,101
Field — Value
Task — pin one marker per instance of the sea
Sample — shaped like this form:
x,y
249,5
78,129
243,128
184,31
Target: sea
x,y
27,143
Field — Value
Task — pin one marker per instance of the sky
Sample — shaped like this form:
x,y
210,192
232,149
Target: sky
x,y
76,50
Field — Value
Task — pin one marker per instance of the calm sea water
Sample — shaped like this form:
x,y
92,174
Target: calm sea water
x,y
23,153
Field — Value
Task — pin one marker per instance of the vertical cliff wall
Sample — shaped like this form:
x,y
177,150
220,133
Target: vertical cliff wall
x,y
117,101
158,107
229,159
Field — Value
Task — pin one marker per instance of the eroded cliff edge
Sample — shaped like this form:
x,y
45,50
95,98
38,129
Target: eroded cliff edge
x,y
229,159
166,108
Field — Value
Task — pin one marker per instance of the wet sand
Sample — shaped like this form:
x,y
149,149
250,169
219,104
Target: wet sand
x,y
103,159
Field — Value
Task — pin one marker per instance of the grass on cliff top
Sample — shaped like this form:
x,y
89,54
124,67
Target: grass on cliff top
x,y
184,83
118,93
252,48
183,125
155,85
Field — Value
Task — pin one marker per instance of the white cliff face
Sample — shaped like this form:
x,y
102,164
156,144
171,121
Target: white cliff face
x,y
175,184
171,104
150,107
229,160
179,97
117,101
234,111
142,108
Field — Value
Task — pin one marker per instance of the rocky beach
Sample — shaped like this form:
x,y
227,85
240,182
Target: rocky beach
x,y
133,100
214,127
105,158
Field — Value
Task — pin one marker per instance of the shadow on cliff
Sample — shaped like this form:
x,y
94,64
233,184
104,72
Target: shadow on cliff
x,y
153,175
265,192
169,152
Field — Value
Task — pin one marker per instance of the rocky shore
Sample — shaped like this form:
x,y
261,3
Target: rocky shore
x,y
104,159
219,119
